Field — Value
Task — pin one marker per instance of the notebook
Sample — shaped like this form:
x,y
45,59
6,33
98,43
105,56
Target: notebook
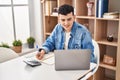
x,y
77,59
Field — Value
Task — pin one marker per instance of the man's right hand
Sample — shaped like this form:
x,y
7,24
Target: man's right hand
x,y
40,54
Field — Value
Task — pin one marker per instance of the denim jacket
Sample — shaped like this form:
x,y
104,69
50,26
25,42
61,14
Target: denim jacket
x,y
80,39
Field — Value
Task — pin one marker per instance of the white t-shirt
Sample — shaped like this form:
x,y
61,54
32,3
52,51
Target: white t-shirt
x,y
67,37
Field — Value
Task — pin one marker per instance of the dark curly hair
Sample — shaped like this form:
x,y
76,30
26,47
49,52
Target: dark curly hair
x,y
65,9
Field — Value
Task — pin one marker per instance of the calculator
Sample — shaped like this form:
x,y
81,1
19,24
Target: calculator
x,y
32,63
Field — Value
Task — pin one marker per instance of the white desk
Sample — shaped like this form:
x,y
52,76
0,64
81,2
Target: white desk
x,y
16,69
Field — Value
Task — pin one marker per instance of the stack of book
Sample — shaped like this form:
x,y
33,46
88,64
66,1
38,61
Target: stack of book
x,y
111,15
102,7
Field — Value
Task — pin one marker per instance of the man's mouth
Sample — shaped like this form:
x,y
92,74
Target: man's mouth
x,y
66,26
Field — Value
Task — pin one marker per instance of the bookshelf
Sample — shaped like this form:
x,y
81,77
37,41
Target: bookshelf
x,y
100,28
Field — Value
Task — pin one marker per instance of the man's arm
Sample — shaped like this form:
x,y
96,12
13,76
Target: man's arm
x,y
48,45
87,44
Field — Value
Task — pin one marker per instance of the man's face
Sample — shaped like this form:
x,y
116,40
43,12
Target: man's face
x,y
66,21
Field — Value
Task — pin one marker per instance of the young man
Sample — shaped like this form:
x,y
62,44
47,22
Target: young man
x,y
67,34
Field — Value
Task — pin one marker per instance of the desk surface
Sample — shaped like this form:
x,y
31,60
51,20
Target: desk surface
x,y
16,69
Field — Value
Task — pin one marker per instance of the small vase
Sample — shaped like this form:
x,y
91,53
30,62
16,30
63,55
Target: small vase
x,y
90,7
110,38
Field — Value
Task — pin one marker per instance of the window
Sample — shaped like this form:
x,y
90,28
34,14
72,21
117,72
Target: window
x,y
14,20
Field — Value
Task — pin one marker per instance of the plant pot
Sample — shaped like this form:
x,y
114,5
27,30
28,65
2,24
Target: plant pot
x,y
31,45
17,49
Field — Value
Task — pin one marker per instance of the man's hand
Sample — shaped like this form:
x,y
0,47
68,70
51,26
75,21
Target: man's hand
x,y
40,54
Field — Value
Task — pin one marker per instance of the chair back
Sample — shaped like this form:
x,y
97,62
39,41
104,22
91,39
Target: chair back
x,y
7,54
97,60
96,54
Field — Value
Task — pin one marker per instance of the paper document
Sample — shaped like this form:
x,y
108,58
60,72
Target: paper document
x,y
48,58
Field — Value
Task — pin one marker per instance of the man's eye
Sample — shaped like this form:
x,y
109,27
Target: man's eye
x,y
69,19
62,20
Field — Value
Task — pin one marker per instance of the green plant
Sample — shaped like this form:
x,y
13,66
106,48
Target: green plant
x,y
30,40
5,45
17,43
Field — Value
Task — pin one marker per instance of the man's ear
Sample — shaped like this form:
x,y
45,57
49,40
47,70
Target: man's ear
x,y
74,17
58,18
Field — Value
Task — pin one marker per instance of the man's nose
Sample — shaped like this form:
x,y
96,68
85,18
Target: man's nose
x,y
66,22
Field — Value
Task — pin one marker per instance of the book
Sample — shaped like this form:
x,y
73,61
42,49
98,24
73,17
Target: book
x,y
102,7
111,15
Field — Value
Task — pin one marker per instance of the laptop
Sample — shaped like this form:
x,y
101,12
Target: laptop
x,y
74,59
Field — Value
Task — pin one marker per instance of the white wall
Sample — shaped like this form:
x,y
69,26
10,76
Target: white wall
x,y
36,21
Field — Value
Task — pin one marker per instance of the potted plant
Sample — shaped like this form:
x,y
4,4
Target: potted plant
x,y
31,42
17,46
4,45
